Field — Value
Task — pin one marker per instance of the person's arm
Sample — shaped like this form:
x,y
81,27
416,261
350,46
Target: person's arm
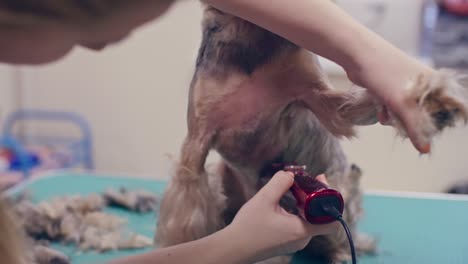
x,y
323,28
219,247
260,230
316,25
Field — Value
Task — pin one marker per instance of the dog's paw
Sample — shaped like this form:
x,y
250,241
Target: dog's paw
x,y
443,98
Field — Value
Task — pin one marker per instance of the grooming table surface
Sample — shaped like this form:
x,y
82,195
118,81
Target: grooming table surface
x,y
410,228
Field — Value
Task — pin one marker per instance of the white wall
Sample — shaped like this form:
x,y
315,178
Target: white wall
x,y
134,93
398,20
135,96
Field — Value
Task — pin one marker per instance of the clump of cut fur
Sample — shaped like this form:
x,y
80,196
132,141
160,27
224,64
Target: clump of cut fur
x,y
27,228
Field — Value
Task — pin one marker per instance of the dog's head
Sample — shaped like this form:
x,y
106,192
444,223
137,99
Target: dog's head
x,y
443,97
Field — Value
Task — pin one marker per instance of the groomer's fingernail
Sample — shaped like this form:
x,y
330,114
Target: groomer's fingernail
x,y
321,177
426,148
383,117
290,174
380,117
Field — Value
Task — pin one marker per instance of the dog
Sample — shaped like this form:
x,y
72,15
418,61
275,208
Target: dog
x,y
257,99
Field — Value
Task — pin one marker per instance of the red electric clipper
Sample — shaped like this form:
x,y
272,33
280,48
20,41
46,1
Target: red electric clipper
x,y
312,194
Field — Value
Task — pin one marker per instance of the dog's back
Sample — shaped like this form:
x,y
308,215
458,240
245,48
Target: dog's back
x,y
233,44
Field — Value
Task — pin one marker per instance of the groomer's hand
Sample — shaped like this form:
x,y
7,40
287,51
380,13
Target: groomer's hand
x,y
267,229
386,72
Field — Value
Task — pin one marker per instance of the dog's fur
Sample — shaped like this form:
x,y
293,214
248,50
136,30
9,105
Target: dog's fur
x,y
257,98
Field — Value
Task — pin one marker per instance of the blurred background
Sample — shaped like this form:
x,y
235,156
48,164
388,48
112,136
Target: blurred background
x,y
122,110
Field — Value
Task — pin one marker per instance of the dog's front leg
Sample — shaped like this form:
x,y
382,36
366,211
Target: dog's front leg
x,y
189,209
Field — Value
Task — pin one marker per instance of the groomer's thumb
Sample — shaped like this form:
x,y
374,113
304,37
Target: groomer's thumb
x,y
278,185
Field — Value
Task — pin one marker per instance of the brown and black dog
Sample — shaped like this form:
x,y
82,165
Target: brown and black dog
x,y
258,99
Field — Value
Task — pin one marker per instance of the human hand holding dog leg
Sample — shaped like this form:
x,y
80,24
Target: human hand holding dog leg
x,y
370,61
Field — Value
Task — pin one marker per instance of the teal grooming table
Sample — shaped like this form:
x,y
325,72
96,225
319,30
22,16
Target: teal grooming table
x,y
411,228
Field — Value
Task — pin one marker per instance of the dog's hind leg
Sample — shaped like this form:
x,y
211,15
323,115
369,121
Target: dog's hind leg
x,y
189,209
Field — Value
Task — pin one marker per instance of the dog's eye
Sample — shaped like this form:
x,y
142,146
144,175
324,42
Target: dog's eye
x,y
443,117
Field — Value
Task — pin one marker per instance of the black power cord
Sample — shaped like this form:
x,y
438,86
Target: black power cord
x,y
333,212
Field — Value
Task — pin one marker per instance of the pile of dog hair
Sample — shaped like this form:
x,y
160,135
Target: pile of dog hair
x,y
80,221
